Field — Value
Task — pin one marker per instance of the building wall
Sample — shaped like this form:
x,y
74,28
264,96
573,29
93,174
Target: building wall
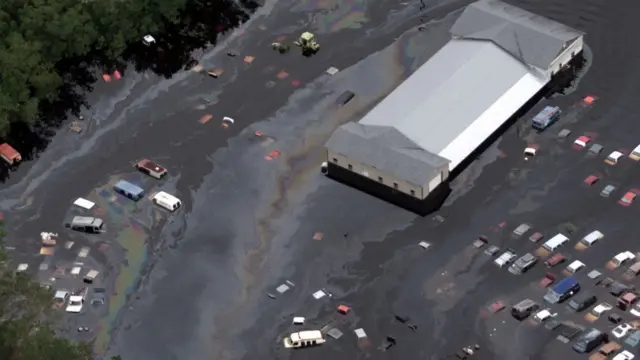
x,y
375,175
567,55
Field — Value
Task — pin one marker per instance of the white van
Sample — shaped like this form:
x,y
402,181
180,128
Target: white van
x,y
555,242
304,339
592,238
167,201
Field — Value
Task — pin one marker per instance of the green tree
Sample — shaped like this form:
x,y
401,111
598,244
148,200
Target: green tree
x,y
26,320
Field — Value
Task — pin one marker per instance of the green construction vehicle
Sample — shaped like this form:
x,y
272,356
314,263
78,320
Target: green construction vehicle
x,y
307,42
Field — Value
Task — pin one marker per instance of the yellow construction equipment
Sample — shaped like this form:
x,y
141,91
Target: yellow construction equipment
x,y
307,42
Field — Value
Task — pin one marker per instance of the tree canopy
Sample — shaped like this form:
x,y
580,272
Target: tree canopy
x,y
27,329
50,49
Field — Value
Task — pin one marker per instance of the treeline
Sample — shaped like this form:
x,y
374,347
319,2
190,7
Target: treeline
x,y
50,49
27,330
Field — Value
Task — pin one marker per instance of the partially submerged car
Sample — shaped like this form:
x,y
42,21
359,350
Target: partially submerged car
x,y
547,280
304,339
600,309
152,169
622,330
521,229
523,264
544,315
492,250
581,142
506,258
535,237
606,192
480,242
606,351
591,179
622,258
614,158
627,198
624,355
554,260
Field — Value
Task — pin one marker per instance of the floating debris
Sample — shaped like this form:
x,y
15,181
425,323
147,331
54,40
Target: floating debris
x,y
335,333
296,83
68,245
232,54
22,267
269,84
318,236
84,252
227,121
272,155
75,127
282,288
106,78
319,294
47,251
48,239
282,75
205,118
332,71
249,59
425,245
290,283
271,295
215,72
197,68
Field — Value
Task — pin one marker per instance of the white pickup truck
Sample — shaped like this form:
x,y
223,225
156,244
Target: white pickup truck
x,y
506,258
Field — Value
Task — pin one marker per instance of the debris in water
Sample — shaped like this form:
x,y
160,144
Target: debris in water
x,y
205,118
335,333
282,75
227,121
282,288
319,294
296,83
249,59
215,72
332,71
318,236
106,77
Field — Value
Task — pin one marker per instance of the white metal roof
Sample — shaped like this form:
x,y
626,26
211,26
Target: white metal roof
x,y
458,98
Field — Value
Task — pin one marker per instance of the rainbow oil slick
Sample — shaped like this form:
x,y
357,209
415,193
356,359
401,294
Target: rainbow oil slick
x,y
129,225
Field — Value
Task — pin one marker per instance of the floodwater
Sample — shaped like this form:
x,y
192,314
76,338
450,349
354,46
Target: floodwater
x,y
193,285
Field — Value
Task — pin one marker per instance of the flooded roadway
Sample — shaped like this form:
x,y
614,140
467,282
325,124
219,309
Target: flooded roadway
x,y
193,285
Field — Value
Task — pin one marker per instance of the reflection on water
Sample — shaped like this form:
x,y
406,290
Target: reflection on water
x,y
337,15
131,223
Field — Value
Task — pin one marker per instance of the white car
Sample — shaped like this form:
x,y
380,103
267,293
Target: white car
x,y
75,304
635,310
622,258
625,355
601,309
506,258
621,330
544,315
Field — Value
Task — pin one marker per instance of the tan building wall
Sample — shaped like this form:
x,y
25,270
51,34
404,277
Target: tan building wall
x,y
376,175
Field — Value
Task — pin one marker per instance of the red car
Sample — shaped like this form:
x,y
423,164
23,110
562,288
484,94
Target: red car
x,y
496,307
627,199
555,260
591,179
547,280
535,237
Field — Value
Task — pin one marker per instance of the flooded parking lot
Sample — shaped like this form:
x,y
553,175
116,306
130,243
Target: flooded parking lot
x,y
194,284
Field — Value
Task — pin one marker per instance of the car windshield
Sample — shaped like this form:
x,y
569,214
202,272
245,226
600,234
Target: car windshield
x,y
75,302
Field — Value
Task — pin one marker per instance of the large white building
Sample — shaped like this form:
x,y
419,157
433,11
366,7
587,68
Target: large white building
x,y
498,58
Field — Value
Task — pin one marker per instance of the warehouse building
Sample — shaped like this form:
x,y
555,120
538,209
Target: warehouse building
x,y
498,59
